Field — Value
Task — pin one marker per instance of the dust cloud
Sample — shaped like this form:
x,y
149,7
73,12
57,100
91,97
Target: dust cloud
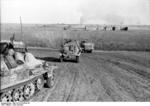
x,y
136,12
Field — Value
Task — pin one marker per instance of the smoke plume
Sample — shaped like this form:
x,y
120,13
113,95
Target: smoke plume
x,y
135,12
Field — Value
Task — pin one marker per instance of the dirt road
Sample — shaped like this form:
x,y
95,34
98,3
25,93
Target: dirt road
x,y
100,76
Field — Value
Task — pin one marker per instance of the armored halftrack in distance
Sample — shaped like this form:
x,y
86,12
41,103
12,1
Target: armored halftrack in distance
x,y
22,75
87,46
70,50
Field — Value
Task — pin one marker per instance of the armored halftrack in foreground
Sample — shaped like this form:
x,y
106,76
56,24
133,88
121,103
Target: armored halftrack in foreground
x,y
22,75
87,46
70,49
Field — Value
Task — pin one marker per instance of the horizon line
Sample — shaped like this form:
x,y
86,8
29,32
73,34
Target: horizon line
x,y
76,24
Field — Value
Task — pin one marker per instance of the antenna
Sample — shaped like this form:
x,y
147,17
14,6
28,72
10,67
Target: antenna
x,y
12,38
21,29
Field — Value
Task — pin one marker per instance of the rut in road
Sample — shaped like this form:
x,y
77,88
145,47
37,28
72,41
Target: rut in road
x,y
101,77
131,58
107,83
73,85
130,82
137,69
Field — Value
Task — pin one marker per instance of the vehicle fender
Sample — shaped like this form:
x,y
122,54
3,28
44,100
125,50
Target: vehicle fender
x,y
51,70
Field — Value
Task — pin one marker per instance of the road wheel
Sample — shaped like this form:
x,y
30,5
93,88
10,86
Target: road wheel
x,y
17,95
77,59
28,90
40,83
6,97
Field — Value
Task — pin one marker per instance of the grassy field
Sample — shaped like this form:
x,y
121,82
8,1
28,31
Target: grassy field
x,y
136,39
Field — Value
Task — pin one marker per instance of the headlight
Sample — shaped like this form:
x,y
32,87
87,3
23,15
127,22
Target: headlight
x,y
60,54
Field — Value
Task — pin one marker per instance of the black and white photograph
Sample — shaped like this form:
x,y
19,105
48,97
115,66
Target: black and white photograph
x,y
74,51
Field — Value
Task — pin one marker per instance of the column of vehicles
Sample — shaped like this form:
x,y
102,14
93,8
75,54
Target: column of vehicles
x,y
23,75
72,49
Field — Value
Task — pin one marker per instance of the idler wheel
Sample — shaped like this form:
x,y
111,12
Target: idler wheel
x,y
6,97
17,95
28,90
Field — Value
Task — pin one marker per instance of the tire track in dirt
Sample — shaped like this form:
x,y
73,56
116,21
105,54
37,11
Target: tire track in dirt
x,y
129,84
93,81
136,70
129,58
130,67
73,85
108,84
70,87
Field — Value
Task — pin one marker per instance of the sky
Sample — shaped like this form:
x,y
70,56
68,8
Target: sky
x,y
76,11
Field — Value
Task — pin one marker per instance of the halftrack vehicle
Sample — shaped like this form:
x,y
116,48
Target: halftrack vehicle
x,y
22,75
87,46
70,49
